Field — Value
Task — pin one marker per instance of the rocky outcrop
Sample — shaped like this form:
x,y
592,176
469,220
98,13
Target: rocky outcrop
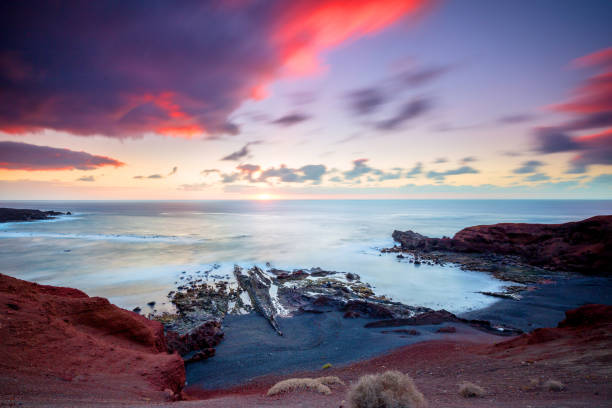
x,y
258,285
16,214
436,317
64,343
203,338
583,246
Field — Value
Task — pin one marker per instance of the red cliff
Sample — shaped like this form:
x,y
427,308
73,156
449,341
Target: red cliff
x,y
582,246
60,344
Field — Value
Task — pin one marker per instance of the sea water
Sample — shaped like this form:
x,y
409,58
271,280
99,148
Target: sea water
x,y
135,252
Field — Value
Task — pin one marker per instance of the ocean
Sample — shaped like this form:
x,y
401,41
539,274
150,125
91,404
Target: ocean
x,y
135,252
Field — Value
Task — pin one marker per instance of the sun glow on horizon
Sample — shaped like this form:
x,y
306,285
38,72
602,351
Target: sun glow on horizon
x,y
265,197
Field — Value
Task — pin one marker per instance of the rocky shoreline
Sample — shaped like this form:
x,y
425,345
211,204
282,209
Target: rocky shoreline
x,y
23,215
519,252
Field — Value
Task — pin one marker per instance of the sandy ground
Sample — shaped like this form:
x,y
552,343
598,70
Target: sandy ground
x,y
437,362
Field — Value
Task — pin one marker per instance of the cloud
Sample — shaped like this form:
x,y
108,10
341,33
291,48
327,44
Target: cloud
x,y
590,149
291,119
530,166
408,111
230,178
243,152
454,172
253,173
537,177
468,159
366,101
360,168
209,171
311,172
176,70
422,76
416,170
87,178
24,156
157,175
590,109
516,118
440,160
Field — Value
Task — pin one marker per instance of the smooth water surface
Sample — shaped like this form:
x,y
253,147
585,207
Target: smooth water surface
x,y
134,252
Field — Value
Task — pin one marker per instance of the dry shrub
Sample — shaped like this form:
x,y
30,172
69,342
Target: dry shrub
x,y
299,384
320,385
330,380
553,385
470,390
390,389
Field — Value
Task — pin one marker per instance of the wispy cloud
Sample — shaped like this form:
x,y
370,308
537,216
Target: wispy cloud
x,y
530,166
441,175
291,119
24,156
242,153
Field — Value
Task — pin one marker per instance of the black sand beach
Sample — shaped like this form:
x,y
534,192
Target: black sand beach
x,y
252,349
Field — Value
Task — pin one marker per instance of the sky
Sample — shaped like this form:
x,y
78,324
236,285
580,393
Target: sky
x,y
329,99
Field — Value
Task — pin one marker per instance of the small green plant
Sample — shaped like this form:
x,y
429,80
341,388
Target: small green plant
x,y
326,366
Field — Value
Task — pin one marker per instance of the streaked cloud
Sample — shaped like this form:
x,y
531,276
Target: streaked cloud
x,y
25,156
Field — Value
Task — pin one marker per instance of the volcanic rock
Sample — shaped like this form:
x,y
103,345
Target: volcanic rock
x,y
583,246
59,341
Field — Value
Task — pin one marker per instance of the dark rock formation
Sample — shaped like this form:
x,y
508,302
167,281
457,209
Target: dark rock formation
x,y
54,338
583,246
204,337
434,317
16,214
257,285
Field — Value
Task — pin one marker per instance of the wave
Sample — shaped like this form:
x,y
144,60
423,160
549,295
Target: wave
x,y
102,237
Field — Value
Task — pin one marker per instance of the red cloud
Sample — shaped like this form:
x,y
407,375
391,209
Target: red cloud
x,y
24,156
591,109
173,69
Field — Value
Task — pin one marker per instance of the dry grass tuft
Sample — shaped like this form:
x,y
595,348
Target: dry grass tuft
x,y
390,389
299,384
320,385
553,385
470,390
330,380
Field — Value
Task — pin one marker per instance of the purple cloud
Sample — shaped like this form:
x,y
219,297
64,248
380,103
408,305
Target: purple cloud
x,y
24,156
242,153
366,101
409,110
123,69
291,119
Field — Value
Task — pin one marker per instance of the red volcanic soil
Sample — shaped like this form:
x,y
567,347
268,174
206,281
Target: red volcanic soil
x,y
578,354
60,346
